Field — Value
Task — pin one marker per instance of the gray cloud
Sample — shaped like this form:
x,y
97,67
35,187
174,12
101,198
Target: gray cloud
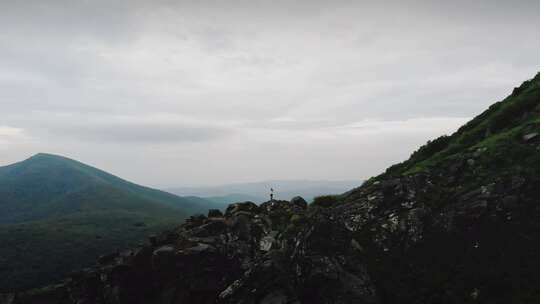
x,y
249,90
141,133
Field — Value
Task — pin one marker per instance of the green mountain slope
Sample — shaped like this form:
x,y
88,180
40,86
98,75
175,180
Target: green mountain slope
x,y
47,185
57,215
459,221
504,124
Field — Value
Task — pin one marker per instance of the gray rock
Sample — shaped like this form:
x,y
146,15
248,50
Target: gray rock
x,y
275,297
249,207
199,248
163,258
266,242
530,136
299,201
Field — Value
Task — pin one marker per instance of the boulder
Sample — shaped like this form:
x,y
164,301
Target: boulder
x,y
209,229
530,136
163,258
299,202
200,248
249,207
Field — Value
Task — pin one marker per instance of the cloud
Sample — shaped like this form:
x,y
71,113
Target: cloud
x,y
313,89
9,135
143,133
442,125
129,129
10,132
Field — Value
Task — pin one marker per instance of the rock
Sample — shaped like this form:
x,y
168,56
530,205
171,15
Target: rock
x,y
275,297
214,213
241,226
163,258
249,207
196,220
299,202
153,240
7,298
266,242
231,289
107,258
529,137
54,294
209,229
200,248
479,152
291,252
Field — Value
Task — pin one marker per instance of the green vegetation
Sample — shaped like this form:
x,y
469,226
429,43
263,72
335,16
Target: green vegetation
x,y
477,194
40,252
503,123
325,200
57,215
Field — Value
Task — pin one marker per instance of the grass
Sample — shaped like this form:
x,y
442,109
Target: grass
x,y
503,122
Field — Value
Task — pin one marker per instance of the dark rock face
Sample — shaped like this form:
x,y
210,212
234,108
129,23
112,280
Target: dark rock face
x,y
465,232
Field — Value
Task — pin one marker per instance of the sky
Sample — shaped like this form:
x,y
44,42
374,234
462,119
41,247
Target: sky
x,y
179,93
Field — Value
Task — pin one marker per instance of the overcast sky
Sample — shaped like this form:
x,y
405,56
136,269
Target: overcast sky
x,y
175,93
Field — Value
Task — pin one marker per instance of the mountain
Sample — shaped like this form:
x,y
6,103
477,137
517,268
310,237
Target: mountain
x,y
259,191
64,212
458,222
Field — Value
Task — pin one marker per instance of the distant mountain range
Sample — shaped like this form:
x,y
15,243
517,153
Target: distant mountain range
x,y
70,213
259,191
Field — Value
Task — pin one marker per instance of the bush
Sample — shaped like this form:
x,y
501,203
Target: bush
x,y
515,112
431,148
325,200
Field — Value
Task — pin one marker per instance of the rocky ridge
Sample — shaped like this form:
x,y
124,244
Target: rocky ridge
x,y
250,254
459,222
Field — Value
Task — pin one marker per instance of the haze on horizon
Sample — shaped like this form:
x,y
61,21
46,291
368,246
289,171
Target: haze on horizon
x,y
177,93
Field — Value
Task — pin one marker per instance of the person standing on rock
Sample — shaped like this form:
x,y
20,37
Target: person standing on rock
x,y
271,194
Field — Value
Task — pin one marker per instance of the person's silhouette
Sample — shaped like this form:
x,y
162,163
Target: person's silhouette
x,y
271,194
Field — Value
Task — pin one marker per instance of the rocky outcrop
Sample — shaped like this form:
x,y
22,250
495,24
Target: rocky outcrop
x,y
277,252
451,235
459,222
465,232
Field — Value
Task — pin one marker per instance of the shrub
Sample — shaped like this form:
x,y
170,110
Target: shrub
x,y
325,200
431,148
